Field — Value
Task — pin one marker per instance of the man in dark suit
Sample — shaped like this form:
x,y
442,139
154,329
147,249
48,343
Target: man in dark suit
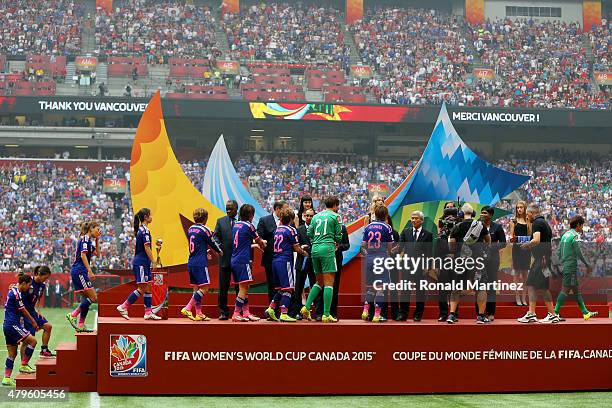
x,y
223,237
265,229
345,244
416,241
303,266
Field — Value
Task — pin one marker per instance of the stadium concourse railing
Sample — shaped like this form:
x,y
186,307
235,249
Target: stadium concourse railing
x,y
18,136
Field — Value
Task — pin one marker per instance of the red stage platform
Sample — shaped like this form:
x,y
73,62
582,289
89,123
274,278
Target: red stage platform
x,y
152,357
426,357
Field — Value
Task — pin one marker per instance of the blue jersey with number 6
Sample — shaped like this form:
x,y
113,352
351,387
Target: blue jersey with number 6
x,y
200,238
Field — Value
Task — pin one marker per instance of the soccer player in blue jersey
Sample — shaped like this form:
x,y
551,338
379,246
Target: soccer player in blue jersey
x,y
244,234
82,275
377,242
283,271
14,331
141,265
30,300
200,239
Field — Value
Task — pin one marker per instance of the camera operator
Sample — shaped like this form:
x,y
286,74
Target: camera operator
x,y
445,225
466,241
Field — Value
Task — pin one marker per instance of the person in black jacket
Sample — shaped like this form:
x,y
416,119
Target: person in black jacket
x,y
498,242
344,246
303,265
417,242
265,229
473,251
224,239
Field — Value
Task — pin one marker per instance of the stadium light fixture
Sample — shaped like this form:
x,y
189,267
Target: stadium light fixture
x,y
81,147
284,137
11,145
256,137
257,130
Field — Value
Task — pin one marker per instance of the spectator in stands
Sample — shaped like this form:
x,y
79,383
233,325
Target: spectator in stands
x,y
45,27
292,32
157,29
102,88
421,55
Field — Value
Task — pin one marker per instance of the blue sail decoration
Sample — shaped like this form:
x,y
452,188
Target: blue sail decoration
x,y
448,170
221,182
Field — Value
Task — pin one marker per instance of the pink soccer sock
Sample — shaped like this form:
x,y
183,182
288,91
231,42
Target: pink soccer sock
x,y
366,307
198,308
8,372
191,304
81,321
76,311
148,311
245,310
377,311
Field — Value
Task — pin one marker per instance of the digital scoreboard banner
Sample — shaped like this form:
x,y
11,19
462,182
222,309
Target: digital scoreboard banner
x,y
115,186
304,111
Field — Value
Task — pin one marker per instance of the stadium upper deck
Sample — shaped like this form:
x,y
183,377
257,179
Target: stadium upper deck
x,y
301,51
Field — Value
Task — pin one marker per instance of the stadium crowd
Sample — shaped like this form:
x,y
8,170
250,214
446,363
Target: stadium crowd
x,y
43,27
157,29
537,64
290,32
419,56
422,56
41,204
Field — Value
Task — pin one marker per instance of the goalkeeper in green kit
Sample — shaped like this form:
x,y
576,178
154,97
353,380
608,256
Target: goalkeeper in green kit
x,y
569,254
325,233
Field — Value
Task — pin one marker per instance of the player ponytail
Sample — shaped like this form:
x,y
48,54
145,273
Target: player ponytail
x,y
42,270
84,228
139,217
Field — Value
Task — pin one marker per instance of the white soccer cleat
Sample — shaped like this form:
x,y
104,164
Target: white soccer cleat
x,y
123,312
152,316
528,318
550,318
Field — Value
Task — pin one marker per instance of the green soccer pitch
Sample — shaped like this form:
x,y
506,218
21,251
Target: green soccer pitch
x,y
62,332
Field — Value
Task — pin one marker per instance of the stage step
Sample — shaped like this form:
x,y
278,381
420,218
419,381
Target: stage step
x,y
75,367
466,310
117,297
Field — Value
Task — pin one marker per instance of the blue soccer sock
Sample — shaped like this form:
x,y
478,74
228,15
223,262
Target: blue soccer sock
x,y
198,295
276,299
27,355
84,306
132,298
8,367
238,305
285,301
